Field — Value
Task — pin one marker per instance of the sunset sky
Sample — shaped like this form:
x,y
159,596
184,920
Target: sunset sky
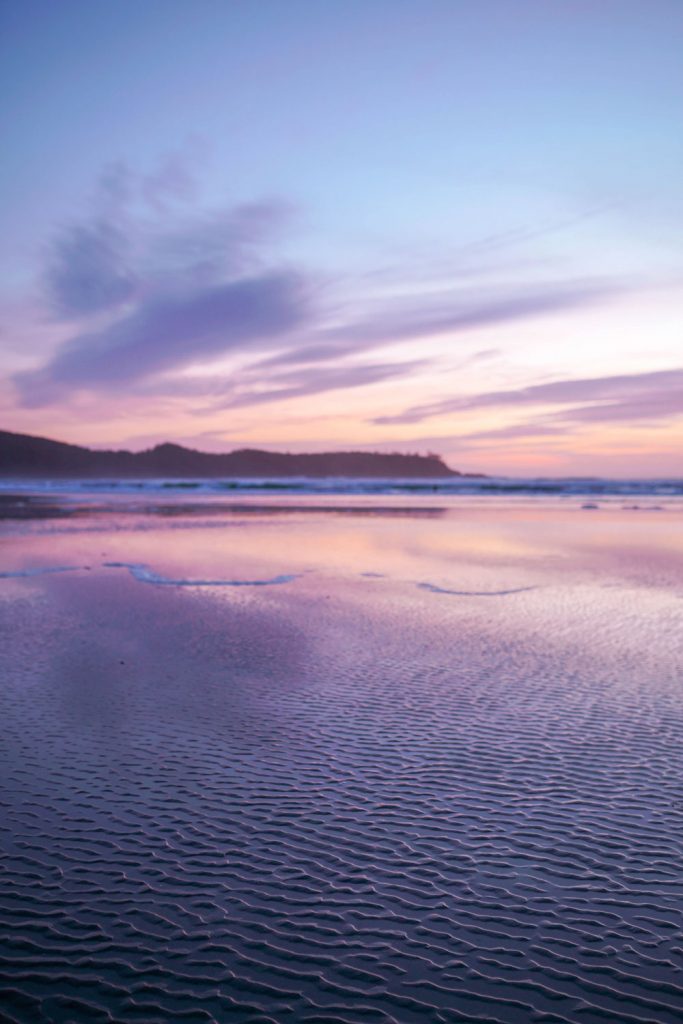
x,y
446,225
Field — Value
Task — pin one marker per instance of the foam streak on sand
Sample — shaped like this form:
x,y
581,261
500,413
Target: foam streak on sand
x,y
434,589
348,800
41,570
147,575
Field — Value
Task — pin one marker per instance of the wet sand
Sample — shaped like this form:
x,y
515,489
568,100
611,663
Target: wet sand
x,y
391,762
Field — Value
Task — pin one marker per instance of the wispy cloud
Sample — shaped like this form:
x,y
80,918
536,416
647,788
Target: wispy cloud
x,y
314,381
461,310
87,270
514,432
150,283
656,404
640,395
429,315
251,386
150,286
171,331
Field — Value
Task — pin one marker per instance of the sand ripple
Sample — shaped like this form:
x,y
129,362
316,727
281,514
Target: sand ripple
x,y
410,812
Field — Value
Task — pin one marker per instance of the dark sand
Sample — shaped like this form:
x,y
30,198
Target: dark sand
x,y
299,766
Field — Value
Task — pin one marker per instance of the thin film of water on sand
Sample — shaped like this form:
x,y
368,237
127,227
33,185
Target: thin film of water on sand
x,y
392,761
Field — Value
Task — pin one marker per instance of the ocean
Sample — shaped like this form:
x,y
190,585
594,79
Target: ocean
x,y
569,487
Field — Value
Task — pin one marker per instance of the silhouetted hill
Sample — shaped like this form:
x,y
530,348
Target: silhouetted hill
x,y
27,456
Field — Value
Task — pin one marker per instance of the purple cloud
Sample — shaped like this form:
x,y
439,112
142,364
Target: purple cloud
x,y
317,380
171,331
652,405
155,291
653,394
515,431
140,231
456,311
212,245
165,332
87,270
154,286
430,315
306,354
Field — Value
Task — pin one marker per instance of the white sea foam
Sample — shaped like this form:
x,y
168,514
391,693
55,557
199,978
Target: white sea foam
x,y
481,486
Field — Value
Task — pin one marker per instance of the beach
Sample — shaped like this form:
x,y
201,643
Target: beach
x,y
341,758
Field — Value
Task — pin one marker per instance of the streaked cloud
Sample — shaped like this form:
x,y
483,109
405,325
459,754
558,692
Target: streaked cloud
x,y
87,269
459,310
150,284
310,381
171,331
514,432
640,395
153,282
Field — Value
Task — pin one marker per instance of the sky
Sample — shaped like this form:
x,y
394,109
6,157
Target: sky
x,y
397,225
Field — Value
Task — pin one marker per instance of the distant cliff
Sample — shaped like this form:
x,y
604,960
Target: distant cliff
x,y
24,456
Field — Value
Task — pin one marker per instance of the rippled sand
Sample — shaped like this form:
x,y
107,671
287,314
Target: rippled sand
x,y
360,763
